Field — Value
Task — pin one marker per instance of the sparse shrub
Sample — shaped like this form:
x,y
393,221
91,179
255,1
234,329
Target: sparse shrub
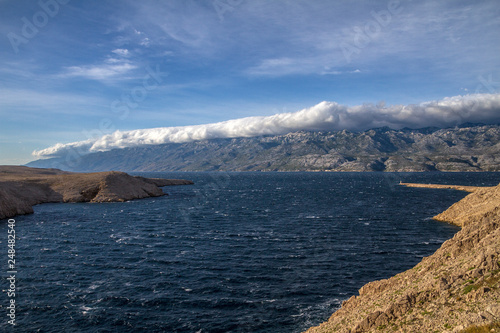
x,y
469,288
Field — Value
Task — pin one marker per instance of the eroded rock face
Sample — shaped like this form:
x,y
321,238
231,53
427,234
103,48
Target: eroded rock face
x,y
472,207
22,187
456,287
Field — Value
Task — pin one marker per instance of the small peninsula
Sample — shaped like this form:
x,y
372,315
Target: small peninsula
x,y
23,187
456,289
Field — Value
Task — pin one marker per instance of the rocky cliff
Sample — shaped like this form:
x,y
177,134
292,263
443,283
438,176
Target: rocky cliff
x,y
467,148
23,187
453,290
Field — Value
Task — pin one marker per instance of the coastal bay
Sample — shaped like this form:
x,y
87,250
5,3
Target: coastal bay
x,y
254,252
298,275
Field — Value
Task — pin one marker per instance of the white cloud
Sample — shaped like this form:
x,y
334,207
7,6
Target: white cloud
x,y
121,52
145,42
111,69
449,111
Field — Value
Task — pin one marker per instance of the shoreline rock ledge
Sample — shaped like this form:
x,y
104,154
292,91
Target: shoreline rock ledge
x,y
456,289
23,187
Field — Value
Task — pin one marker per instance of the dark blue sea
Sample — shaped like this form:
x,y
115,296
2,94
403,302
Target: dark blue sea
x,y
236,252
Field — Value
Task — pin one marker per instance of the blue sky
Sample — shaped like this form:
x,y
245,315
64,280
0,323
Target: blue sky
x,y
72,70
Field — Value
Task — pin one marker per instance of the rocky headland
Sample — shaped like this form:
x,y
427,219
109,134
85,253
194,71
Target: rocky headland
x,y
22,187
456,289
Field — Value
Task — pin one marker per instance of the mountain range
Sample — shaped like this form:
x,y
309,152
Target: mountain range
x,y
469,147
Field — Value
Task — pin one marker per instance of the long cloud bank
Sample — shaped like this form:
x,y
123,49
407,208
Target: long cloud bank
x,y
324,116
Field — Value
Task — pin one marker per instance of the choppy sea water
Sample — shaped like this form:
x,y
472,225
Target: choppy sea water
x,y
236,252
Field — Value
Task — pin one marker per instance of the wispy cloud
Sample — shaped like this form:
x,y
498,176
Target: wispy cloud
x,y
323,116
277,67
415,32
302,37
112,69
121,52
186,24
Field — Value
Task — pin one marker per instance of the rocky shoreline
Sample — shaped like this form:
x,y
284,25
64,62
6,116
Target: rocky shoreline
x,y
22,187
453,290
440,186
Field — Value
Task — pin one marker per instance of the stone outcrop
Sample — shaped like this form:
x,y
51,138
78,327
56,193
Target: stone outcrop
x,y
455,288
23,187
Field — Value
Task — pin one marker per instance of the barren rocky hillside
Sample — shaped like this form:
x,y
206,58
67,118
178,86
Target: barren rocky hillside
x,y
454,289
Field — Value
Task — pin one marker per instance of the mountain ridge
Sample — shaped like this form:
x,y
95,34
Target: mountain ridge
x,y
463,148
